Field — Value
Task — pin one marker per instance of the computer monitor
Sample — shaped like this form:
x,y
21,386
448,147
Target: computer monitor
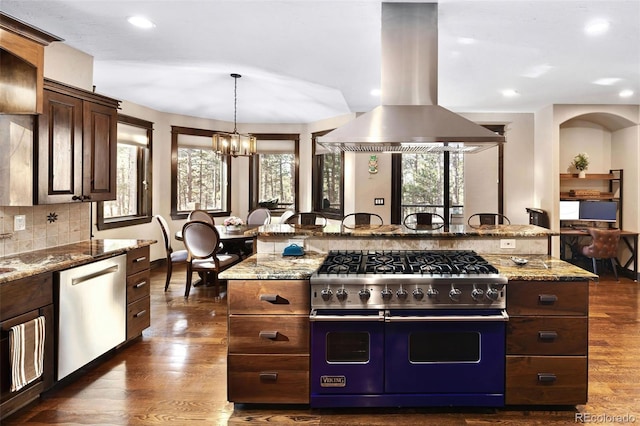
x,y
569,210
600,211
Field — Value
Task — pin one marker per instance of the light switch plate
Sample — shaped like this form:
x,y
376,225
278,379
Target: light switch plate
x,y
378,201
19,222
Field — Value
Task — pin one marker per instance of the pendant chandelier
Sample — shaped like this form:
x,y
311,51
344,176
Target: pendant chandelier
x,y
234,144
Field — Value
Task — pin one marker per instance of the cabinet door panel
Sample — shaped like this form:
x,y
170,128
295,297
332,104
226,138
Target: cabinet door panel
x,y
59,149
100,153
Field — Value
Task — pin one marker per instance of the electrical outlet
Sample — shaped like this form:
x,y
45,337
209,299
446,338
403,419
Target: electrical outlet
x,y
19,222
507,244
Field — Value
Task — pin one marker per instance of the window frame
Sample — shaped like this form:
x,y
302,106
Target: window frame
x,y
175,132
144,183
254,172
316,179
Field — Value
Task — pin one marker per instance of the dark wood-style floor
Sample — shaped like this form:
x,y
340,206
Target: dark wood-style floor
x,y
176,373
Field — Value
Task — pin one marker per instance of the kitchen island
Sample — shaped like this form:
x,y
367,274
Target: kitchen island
x,y
271,334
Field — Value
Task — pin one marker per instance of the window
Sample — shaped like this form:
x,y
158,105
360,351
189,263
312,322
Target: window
x,y
132,205
273,172
423,182
200,179
328,180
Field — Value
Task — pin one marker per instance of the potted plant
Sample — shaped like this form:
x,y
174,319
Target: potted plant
x,y
581,163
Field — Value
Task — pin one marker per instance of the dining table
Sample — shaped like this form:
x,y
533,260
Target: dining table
x,y
233,239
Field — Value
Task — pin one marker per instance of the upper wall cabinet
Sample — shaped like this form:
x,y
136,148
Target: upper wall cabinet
x,y
22,59
77,141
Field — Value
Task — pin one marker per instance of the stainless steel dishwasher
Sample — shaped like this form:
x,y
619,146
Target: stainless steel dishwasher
x,y
92,312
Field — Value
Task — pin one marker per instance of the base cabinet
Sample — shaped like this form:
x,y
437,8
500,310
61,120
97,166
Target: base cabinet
x,y
22,301
268,351
547,343
138,292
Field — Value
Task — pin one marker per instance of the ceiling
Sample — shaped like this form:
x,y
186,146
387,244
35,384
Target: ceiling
x,y
307,60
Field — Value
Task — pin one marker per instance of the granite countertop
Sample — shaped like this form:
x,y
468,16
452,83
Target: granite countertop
x,y
454,231
63,257
274,266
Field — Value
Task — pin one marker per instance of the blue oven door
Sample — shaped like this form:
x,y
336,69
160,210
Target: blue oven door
x,y
445,352
347,352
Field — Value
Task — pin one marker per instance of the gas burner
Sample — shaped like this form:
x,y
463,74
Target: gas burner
x,y
338,269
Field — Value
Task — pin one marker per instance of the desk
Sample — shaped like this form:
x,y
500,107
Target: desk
x,y
570,236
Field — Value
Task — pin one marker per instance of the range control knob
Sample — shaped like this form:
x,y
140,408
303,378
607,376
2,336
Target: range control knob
x,y
477,294
454,294
326,294
342,294
364,294
432,292
492,294
387,294
402,294
418,294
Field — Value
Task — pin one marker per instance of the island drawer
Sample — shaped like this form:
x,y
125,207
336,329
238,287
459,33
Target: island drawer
x,y
268,379
138,317
138,260
138,285
545,335
269,334
547,298
268,297
546,380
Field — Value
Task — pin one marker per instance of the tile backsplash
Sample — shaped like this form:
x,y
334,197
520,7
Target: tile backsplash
x,y
46,226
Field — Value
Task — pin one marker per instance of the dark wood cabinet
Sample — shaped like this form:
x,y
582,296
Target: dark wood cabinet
x,y
268,350
138,292
20,302
77,142
547,343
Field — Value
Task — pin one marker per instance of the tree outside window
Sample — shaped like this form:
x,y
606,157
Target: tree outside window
x,y
200,177
133,176
328,180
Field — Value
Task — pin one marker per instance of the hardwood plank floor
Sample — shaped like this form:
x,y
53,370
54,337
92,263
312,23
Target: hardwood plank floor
x,y
176,374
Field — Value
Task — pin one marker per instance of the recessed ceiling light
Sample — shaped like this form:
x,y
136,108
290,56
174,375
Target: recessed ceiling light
x,y
608,81
626,93
375,92
597,27
466,40
510,93
141,22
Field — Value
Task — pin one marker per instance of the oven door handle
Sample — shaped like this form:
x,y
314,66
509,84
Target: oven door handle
x,y
346,318
449,318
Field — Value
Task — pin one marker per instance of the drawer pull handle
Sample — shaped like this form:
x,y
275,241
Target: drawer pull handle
x,y
547,298
140,259
268,377
547,335
140,284
276,299
268,334
269,298
546,377
141,313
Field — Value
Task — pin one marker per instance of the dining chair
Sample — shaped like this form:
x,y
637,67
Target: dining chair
x,y
423,220
203,244
487,219
259,216
286,215
173,257
603,245
201,215
307,220
355,220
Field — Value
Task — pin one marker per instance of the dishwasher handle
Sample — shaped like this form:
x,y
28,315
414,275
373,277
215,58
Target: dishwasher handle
x,y
109,270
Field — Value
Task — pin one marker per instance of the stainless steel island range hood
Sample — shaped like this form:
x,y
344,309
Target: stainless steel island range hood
x,y
409,119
